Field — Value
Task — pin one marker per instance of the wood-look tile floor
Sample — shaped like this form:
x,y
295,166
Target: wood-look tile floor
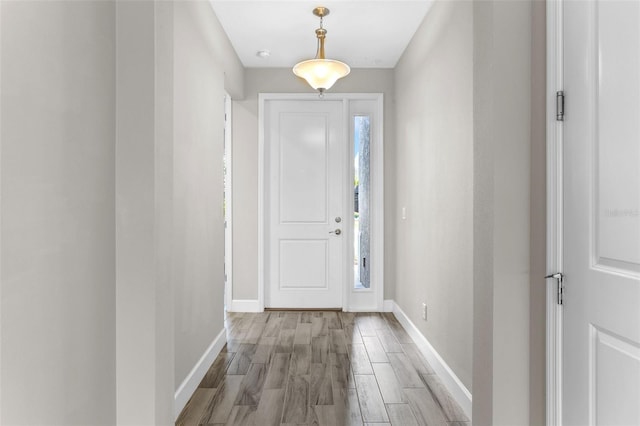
x,y
320,368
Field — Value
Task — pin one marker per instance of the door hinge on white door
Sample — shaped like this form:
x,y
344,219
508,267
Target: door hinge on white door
x,y
560,105
559,277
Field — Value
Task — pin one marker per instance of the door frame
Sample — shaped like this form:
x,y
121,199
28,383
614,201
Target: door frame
x,y
228,230
555,83
377,196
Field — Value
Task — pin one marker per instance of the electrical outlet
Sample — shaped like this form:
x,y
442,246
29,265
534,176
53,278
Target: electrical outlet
x,y
424,311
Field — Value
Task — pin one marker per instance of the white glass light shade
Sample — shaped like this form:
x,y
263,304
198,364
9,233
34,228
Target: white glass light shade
x,y
321,74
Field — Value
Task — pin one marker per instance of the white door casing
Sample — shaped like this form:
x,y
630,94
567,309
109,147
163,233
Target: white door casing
x,y
306,255
228,224
370,104
601,223
555,83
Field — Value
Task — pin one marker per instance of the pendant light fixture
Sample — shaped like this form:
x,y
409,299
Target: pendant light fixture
x,y
321,73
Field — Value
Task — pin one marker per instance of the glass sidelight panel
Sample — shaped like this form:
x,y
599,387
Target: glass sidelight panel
x,y
362,193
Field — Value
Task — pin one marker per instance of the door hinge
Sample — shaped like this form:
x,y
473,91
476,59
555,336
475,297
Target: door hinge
x,y
560,105
559,277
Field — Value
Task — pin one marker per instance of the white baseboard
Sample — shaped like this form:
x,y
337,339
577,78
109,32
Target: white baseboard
x,y
244,306
190,383
387,305
453,384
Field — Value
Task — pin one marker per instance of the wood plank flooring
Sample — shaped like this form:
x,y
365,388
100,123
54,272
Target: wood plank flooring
x,y
287,368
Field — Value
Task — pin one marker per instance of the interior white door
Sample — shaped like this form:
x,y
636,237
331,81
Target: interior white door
x,y
601,336
305,259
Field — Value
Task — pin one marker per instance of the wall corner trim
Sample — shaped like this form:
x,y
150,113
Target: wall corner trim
x,y
453,384
190,383
245,306
388,305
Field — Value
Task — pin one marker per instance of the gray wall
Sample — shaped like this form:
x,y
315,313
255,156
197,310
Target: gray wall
x,y
111,185
483,164
538,226
495,104
198,186
434,172
170,230
502,211
135,257
58,213
245,165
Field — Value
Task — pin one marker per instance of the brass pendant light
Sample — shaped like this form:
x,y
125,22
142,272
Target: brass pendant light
x,y
321,73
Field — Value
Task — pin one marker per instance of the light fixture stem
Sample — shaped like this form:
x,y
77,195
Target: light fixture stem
x,y
321,33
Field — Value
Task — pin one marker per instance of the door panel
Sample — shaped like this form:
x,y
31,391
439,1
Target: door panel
x,y
615,372
303,170
306,160
618,101
303,264
601,358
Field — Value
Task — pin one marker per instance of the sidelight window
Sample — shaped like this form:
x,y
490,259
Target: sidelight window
x,y
361,198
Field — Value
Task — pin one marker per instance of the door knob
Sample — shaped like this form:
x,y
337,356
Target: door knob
x,y
337,232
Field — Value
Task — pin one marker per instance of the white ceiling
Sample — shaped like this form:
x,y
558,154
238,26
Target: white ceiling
x,y
364,34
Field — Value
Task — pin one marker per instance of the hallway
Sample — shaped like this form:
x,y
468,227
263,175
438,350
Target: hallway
x,y
320,368
112,231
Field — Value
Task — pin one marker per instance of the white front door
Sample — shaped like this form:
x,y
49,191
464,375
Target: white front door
x,y
305,252
601,335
